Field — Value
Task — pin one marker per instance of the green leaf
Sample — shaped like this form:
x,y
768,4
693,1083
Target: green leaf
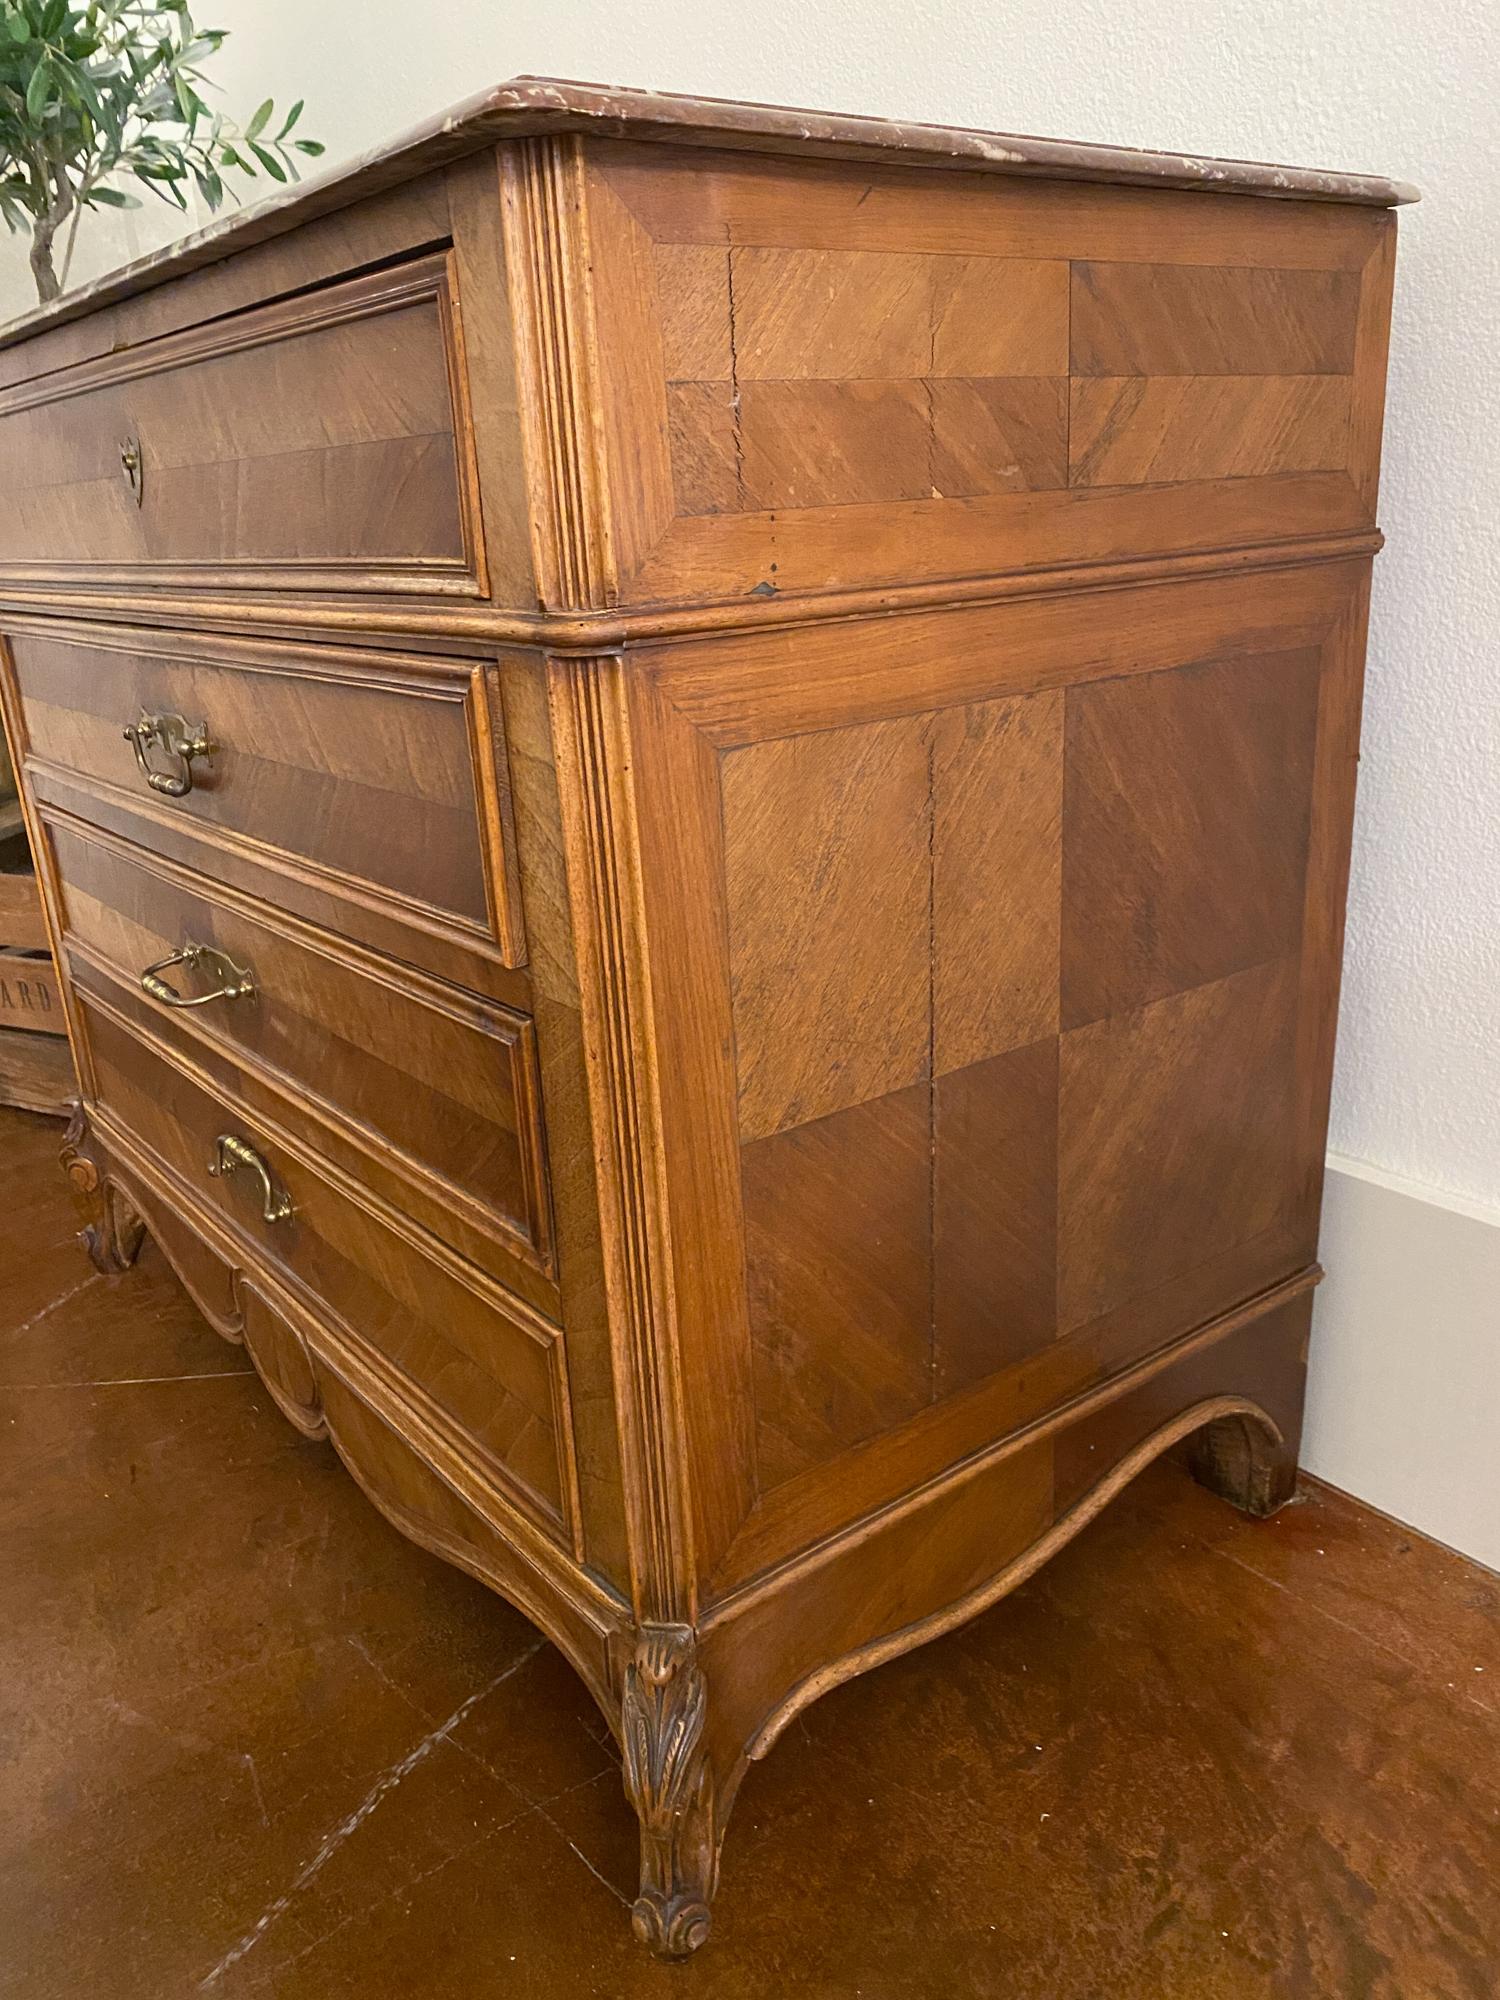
x,y
291,118
314,147
110,198
37,89
270,162
258,123
18,28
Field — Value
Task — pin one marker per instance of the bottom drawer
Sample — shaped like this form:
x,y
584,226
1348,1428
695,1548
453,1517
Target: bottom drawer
x,y
495,1374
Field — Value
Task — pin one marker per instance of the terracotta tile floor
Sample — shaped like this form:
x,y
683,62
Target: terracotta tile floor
x,y
255,1744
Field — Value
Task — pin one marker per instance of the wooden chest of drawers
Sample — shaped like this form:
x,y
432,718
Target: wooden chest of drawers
x,y
693,772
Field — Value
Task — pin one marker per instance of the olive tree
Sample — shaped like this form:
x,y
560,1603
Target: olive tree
x,y
94,97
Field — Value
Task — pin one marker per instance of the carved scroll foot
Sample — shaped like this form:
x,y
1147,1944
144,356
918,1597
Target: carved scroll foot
x,y
112,1231
1241,1459
669,1781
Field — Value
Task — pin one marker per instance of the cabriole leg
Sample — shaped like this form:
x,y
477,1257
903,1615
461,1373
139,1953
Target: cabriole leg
x,y
112,1231
1241,1459
669,1780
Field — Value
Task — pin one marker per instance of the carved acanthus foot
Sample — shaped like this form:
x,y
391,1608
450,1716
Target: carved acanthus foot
x,y
669,1781
112,1231
1240,1458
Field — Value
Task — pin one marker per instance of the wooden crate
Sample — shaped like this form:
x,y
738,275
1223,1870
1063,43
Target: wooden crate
x,y
30,1000
36,1066
36,1073
21,924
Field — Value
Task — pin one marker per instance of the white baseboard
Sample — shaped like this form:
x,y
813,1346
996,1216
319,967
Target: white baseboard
x,y
1403,1401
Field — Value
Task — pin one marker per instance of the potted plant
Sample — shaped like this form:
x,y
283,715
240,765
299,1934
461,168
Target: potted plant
x,y
109,91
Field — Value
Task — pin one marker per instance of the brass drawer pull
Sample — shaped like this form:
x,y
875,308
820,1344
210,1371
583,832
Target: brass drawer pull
x,y
231,981
233,1155
178,739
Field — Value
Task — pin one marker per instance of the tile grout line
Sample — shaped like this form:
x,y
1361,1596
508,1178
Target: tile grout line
x,y
411,1882
36,1319
334,1840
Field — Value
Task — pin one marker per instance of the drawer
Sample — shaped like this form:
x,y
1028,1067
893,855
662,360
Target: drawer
x,y
374,1282
364,783
438,1087
318,442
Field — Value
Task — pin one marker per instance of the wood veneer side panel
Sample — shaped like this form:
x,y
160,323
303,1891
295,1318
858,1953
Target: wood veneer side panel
x,y
825,1500
943,1554
676,779
788,1645
1335,772
565,1079
828,445
1173,319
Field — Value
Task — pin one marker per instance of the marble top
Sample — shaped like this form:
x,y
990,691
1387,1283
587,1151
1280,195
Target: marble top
x,y
529,104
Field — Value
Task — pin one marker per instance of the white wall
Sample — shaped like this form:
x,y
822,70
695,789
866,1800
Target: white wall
x,y
1404,1388
1404,87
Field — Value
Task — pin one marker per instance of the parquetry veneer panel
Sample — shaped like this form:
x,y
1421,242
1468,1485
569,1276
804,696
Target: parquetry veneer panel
x,y
828,921
840,1269
1188,803
842,315
997,802
1168,319
994,1214
832,341
768,707
1176,1136
1153,431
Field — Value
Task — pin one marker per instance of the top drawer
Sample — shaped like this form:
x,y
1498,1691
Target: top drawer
x,y
316,443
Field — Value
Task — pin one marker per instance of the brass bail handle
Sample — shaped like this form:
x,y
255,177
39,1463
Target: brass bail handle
x,y
231,981
233,1155
182,741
